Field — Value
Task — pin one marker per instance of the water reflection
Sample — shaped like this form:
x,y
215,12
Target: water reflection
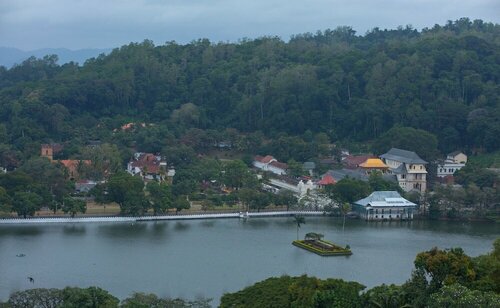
x,y
257,223
74,230
28,230
125,230
181,226
208,223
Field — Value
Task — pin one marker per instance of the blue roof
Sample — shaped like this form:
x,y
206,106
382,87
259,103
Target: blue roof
x,y
384,198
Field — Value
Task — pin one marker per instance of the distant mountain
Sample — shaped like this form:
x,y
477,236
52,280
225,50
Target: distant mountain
x,y
10,56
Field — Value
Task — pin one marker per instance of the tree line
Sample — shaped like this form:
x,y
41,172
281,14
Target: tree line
x,y
441,81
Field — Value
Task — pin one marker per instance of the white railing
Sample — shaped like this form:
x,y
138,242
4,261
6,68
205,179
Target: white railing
x,y
38,220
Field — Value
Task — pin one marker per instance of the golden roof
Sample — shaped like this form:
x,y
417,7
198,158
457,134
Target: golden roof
x,y
373,163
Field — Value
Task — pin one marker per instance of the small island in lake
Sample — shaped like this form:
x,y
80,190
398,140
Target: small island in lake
x,y
313,242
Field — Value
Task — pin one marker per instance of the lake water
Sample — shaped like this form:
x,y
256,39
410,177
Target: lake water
x,y
208,258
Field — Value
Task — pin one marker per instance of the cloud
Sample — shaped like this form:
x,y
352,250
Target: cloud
x,y
30,24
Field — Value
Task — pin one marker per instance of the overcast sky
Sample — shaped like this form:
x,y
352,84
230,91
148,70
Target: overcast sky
x,y
75,24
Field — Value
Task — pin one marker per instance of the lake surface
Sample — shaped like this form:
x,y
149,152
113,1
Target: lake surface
x,y
208,258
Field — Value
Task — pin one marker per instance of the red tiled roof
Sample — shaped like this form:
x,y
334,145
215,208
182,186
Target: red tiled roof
x,y
279,165
148,162
265,160
327,180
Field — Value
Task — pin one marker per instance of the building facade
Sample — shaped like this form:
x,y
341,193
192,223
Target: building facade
x,y
271,164
148,166
384,205
453,162
409,168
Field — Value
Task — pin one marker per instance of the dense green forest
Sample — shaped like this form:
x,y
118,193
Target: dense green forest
x,y
443,80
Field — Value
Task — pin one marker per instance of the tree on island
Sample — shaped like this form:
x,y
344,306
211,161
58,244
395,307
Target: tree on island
x,y
299,220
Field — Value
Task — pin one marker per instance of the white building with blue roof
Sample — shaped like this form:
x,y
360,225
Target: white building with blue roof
x,y
384,205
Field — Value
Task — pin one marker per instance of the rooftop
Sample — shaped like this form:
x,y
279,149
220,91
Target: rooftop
x,y
403,156
385,199
373,163
265,160
327,180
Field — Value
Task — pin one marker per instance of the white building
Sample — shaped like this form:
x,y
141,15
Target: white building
x,y
409,169
271,164
453,162
384,205
148,166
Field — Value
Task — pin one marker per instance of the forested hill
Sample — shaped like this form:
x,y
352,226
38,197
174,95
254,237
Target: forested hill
x,y
444,80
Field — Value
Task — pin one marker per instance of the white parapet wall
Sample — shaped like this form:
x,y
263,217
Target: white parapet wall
x,y
154,218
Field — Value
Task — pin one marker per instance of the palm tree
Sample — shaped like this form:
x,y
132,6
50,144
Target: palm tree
x,y
299,220
345,208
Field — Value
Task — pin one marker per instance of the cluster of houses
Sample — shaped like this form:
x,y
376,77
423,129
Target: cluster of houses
x,y
403,167
148,166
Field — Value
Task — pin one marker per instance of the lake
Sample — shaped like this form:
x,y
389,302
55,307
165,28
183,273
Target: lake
x,y
206,258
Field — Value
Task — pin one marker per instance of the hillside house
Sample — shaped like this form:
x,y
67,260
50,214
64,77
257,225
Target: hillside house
x,y
454,161
384,205
149,167
74,167
271,164
409,169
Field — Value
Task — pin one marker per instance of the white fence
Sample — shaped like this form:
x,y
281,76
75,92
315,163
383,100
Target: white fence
x,y
151,218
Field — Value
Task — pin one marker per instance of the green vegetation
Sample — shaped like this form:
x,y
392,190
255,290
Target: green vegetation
x,y
209,107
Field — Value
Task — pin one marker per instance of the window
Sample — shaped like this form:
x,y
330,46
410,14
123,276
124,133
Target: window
x,y
421,167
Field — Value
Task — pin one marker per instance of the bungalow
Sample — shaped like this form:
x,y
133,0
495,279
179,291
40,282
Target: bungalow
x,y
271,164
148,166
384,205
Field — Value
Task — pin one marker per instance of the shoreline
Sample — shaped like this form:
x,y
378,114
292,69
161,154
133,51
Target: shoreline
x,y
240,215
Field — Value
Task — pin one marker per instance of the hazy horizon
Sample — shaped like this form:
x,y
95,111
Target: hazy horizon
x,y
74,25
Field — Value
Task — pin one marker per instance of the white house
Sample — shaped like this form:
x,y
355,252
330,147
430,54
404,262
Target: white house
x,y
271,164
148,166
408,167
384,205
454,161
